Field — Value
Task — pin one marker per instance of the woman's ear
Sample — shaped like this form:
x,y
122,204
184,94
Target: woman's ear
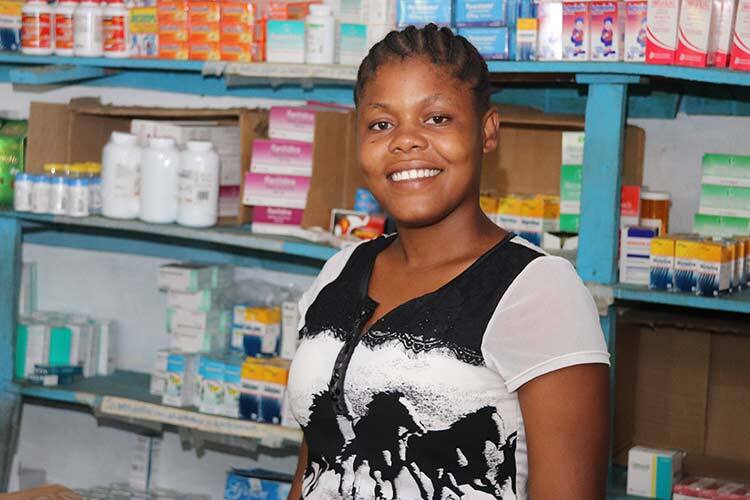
x,y
490,130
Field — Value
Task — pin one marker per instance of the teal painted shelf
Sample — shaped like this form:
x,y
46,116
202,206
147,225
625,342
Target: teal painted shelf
x,y
125,395
241,237
735,302
103,62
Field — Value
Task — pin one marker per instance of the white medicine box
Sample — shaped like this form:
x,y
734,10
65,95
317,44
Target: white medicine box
x,y
653,473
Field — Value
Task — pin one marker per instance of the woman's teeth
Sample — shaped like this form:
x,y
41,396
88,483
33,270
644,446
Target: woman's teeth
x,y
408,175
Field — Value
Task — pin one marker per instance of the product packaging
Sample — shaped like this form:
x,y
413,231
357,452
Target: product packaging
x,y
526,39
285,41
256,484
636,30
550,17
492,43
285,191
12,156
740,55
698,36
715,273
726,31
662,263
181,373
351,43
144,32
630,206
571,178
576,31
282,157
635,254
295,123
360,225
607,21
272,220
422,12
185,277
263,388
10,25
471,13
663,22
290,319
652,473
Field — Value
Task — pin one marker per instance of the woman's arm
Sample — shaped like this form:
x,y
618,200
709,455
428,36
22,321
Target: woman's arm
x,y
566,417
296,491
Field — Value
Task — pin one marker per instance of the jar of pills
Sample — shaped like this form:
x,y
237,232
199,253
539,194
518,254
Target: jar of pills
x,y
655,210
78,197
40,192
22,192
58,195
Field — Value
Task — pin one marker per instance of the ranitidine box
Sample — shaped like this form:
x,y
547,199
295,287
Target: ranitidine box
x,y
698,35
422,12
636,30
652,473
295,123
550,17
740,55
480,13
276,219
607,20
576,31
492,43
662,262
282,157
285,41
288,191
663,22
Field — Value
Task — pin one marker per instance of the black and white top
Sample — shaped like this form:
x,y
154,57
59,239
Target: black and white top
x,y
423,405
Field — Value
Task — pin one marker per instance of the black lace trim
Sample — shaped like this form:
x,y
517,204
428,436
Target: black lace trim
x,y
419,344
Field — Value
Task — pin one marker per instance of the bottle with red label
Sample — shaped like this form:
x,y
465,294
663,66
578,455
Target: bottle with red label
x,y
64,13
116,29
37,28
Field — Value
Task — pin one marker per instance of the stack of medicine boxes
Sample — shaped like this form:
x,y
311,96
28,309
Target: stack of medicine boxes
x,y
571,175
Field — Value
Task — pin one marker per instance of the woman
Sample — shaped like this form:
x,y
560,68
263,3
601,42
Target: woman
x,y
452,360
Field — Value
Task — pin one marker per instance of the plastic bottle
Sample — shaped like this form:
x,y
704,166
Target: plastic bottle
x,y
22,187
87,30
40,191
320,35
116,29
94,171
161,161
37,28
78,196
121,176
58,195
64,13
198,185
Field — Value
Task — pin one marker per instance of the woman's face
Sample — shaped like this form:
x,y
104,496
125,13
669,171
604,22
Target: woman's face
x,y
421,141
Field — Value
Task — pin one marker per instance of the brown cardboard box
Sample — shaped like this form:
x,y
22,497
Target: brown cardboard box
x,y
683,382
47,492
78,131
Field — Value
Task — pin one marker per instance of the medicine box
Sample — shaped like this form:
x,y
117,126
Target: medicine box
x,y
282,157
186,320
32,347
197,341
492,43
10,25
480,13
652,473
294,123
185,277
662,263
265,219
700,488
211,373
423,12
698,32
287,191
539,214
256,484
202,300
232,386
636,30
285,41
715,273
726,170
740,54
550,17
27,294
106,346
509,213
719,226
256,330
726,31
144,32
351,43
630,206
181,373
526,39
572,148
290,320
663,22
607,21
571,178
263,388
686,265
724,200
576,31
635,255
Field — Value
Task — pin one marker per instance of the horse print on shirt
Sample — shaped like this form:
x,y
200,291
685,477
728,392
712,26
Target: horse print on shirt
x,y
390,444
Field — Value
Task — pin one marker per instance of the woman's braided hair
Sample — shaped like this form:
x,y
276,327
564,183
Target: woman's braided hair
x,y
442,47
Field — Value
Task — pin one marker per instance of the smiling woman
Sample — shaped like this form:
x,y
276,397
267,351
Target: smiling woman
x,y
454,359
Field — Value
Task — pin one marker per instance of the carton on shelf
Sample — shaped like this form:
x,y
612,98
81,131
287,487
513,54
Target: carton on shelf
x,y
663,22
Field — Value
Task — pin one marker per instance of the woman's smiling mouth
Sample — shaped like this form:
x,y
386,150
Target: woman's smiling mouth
x,y
414,174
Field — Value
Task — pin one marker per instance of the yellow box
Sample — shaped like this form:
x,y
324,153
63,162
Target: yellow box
x,y
144,20
508,215
715,260
11,8
273,370
488,203
265,315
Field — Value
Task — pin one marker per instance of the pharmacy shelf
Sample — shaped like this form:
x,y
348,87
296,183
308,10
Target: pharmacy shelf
x,y
102,62
125,395
237,237
735,302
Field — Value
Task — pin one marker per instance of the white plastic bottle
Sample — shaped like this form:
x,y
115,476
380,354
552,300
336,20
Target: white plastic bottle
x,y
198,185
64,13
58,195
78,196
40,192
22,187
121,176
116,29
160,166
37,28
87,30
320,35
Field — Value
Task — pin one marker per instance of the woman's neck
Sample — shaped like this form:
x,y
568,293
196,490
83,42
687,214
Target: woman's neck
x,y
466,231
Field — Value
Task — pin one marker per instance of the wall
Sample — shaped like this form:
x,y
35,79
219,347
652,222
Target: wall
x,y
73,449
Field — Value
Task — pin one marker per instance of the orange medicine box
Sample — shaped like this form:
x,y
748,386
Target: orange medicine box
x,y
239,52
203,12
209,51
282,10
173,32
171,11
236,33
238,12
174,50
205,33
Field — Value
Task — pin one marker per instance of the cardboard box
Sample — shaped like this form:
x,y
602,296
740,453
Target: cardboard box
x,y
682,384
47,492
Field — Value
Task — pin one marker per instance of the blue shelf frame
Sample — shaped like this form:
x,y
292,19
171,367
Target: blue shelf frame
x,y
606,90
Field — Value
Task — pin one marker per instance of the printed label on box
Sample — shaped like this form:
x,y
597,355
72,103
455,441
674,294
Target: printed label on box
x,y
607,31
740,58
663,21
576,31
636,31
286,191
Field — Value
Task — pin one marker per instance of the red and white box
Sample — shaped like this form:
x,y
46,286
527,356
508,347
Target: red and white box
x,y
276,219
698,33
635,31
661,35
576,34
700,488
286,191
607,22
740,56
726,30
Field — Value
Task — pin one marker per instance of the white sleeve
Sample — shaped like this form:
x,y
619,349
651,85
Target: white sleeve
x,y
331,270
545,321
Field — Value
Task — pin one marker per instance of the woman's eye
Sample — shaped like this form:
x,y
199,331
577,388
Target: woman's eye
x,y
380,126
438,120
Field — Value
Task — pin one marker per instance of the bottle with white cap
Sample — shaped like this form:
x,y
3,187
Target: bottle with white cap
x,y
121,176
116,29
198,185
160,166
320,35
64,14
87,29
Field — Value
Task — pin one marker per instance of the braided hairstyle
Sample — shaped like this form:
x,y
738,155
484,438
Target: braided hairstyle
x,y
442,47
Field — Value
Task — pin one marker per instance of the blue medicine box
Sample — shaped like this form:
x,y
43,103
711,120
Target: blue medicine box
x,y
492,43
481,13
422,12
256,484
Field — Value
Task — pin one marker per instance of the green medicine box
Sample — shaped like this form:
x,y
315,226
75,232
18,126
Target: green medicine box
x,y
12,156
